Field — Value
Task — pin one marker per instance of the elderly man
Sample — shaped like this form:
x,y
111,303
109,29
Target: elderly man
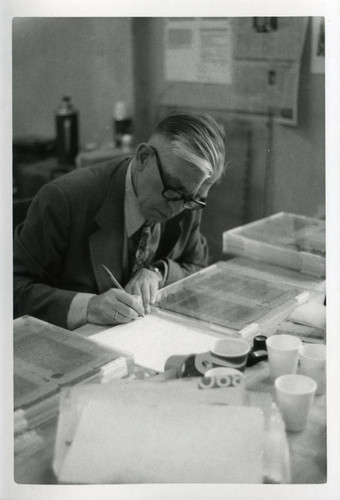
x,y
135,219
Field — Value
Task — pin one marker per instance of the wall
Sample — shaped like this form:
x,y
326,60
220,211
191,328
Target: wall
x,y
287,163
89,59
298,160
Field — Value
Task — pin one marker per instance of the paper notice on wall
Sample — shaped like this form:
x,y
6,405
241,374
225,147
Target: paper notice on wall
x,y
267,54
272,88
256,60
198,50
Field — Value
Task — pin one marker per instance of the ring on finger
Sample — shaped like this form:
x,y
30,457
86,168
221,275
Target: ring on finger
x,y
116,315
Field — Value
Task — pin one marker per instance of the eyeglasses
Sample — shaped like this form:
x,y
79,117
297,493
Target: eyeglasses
x,y
173,194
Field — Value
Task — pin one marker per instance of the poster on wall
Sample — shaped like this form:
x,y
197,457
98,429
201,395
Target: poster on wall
x,y
198,50
267,54
254,60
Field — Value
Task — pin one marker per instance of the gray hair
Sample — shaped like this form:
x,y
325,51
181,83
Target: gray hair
x,y
198,139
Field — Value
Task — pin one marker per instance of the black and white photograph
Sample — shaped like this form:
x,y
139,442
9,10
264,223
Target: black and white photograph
x,y
170,189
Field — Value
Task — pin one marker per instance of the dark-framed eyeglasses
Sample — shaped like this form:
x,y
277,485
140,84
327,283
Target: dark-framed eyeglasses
x,y
173,194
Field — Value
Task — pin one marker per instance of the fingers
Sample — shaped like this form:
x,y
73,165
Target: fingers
x,y
148,293
142,290
121,306
112,307
145,283
123,318
145,292
128,302
153,293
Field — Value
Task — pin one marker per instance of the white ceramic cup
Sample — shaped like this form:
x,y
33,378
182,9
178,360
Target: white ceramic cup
x,y
313,364
295,394
283,354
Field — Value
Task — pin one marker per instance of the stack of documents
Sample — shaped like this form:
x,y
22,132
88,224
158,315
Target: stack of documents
x,y
47,358
168,432
157,432
285,239
238,300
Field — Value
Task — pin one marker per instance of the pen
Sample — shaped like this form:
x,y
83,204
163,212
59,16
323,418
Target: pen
x,y
112,278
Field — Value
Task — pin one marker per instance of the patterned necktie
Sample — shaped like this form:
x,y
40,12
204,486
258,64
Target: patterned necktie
x,y
143,247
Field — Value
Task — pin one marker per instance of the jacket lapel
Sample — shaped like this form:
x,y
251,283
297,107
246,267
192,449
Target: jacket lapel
x,y
106,244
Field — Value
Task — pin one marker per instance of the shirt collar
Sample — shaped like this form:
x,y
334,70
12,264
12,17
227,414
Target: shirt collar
x,y
133,217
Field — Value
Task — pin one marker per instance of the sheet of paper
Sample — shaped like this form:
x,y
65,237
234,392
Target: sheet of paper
x,y
137,392
310,314
198,50
124,443
153,339
269,61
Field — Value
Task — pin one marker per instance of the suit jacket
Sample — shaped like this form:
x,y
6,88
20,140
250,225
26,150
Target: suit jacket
x,y
75,224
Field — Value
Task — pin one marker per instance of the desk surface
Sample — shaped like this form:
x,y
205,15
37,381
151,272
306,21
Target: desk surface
x,y
308,453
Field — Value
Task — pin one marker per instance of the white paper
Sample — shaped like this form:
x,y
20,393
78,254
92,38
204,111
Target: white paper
x,y
152,340
136,392
198,50
186,443
310,314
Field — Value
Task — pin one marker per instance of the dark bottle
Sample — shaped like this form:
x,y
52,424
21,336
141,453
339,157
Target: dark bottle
x,y
67,132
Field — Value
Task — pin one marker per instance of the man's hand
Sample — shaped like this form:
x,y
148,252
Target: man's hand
x,y
144,283
113,307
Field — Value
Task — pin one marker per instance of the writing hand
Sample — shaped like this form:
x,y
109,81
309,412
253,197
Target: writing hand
x,y
144,283
113,307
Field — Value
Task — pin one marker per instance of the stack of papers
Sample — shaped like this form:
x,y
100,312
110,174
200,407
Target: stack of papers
x,y
47,358
157,432
285,239
233,299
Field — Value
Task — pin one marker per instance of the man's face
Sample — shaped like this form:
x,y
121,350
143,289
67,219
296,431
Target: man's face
x,y
176,173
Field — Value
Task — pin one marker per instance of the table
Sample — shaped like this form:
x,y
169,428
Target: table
x,y
308,453
308,449
30,177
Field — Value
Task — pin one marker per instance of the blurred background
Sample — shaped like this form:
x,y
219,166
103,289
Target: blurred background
x,y
260,77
